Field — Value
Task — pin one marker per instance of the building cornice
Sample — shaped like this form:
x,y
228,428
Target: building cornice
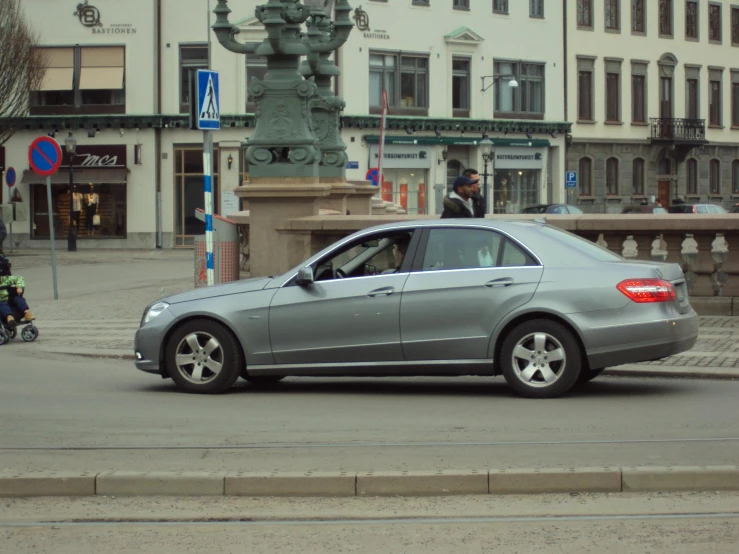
x,y
49,123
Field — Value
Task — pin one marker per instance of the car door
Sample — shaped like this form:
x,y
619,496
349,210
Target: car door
x,y
464,280
342,320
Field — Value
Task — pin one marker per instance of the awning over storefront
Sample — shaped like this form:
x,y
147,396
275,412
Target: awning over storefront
x,y
114,176
458,141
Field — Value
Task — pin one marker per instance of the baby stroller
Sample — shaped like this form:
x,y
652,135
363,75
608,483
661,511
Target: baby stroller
x,y
29,331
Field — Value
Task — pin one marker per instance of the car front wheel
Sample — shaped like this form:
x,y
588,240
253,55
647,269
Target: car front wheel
x,y
541,359
204,357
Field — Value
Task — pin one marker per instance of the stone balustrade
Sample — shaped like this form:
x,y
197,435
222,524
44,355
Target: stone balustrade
x,y
701,244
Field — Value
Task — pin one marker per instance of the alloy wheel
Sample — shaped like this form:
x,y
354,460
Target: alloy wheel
x,y
199,357
538,359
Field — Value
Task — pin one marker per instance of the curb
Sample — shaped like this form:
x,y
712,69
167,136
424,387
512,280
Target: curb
x,y
374,483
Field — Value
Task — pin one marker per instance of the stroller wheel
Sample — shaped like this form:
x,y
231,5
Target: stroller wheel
x,y
29,333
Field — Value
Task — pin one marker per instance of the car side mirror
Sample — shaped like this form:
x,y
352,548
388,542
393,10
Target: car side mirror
x,y
305,276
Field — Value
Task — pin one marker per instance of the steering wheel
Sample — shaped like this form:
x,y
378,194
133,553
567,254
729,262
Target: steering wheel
x,y
340,273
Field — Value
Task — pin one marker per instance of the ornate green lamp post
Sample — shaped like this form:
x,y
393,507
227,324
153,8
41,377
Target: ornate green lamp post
x,y
284,142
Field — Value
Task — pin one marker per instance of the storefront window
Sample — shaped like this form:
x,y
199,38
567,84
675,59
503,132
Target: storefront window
x,y
515,190
408,188
107,201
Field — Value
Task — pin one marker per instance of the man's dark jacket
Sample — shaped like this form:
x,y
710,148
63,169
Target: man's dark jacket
x,y
454,208
478,203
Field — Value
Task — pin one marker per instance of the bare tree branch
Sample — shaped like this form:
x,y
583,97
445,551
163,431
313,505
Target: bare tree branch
x,y
22,66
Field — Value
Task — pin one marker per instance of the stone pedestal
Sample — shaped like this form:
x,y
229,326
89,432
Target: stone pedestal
x,y
337,198
359,202
272,203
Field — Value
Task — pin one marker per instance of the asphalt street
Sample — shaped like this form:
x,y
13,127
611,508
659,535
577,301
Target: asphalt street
x,y
624,523
86,414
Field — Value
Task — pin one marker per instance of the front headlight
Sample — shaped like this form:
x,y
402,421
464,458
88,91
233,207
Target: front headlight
x,y
154,311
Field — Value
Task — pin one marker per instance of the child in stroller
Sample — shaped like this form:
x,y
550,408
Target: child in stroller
x,y
13,307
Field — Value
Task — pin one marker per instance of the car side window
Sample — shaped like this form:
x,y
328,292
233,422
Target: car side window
x,y
370,256
701,209
558,210
461,249
513,256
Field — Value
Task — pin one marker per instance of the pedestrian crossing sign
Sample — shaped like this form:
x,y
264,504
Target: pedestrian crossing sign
x,y
208,110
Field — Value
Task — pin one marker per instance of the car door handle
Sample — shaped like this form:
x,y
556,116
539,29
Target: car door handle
x,y
503,282
386,291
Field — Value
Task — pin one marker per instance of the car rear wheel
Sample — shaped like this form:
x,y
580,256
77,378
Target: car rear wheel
x,y
541,359
204,357
263,380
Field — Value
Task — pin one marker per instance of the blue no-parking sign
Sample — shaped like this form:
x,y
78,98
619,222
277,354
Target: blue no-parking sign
x,y
45,156
571,179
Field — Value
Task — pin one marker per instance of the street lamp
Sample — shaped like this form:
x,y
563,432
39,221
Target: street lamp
x,y
512,83
488,148
70,145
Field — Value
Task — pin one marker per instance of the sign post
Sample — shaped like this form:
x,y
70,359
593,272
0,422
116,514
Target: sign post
x,y
570,185
10,177
45,157
207,118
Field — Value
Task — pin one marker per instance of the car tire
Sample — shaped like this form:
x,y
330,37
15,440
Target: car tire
x,y
587,375
263,380
527,364
203,357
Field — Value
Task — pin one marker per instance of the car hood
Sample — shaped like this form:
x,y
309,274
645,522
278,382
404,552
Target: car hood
x,y
237,287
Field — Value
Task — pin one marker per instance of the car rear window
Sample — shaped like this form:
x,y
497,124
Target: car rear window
x,y
583,245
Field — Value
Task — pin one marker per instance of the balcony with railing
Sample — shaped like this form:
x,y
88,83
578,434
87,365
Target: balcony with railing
x,y
692,131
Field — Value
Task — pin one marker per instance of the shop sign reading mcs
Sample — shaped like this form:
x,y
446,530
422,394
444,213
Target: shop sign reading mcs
x,y
89,17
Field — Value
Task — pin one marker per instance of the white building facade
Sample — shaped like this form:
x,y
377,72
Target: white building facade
x,y
653,94
117,80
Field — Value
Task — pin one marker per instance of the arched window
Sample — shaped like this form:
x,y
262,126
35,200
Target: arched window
x,y
612,176
692,169
715,177
735,177
664,167
637,187
586,176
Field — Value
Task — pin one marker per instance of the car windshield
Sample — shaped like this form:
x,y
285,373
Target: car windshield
x,y
574,210
583,245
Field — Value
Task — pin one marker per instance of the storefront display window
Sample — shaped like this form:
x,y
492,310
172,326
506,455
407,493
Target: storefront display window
x,y
407,188
515,190
106,201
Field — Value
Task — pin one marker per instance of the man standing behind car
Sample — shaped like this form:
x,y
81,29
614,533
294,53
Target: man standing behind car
x,y
459,202
478,201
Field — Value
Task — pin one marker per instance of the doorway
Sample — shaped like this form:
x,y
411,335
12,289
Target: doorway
x,y
663,193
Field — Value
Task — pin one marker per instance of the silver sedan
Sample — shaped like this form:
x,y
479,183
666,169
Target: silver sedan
x,y
538,305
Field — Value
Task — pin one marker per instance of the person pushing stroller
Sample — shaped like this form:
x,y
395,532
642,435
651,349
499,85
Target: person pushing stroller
x,y
12,302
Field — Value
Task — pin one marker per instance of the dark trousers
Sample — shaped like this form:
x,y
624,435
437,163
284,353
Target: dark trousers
x,y
15,301
92,209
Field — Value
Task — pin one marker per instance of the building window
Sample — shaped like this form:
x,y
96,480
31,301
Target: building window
x,y
405,77
256,68
638,99
691,19
734,26
586,176
527,98
691,99
461,87
81,80
638,15
585,96
715,176
612,177
500,6
735,100
692,169
536,8
715,101
637,186
420,3
192,58
714,22
665,18
613,97
613,15
461,4
735,177
188,192
585,13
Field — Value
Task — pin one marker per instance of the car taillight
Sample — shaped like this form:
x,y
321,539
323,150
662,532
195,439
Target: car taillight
x,y
647,290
